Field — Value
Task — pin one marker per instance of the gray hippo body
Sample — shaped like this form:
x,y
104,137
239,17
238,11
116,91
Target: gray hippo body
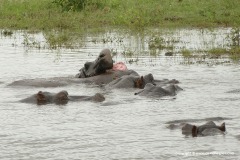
x,y
104,78
151,90
207,129
131,81
61,97
98,72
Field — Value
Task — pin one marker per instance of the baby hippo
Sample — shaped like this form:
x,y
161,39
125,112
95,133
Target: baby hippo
x,y
61,97
209,128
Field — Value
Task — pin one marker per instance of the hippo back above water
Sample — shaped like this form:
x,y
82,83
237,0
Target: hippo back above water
x,y
151,90
207,129
131,81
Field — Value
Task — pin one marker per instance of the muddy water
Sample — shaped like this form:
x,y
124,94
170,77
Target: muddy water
x,y
124,126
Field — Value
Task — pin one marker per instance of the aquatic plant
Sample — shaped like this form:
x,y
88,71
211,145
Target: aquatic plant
x,y
157,42
7,32
58,39
234,53
235,37
186,53
30,42
128,53
217,52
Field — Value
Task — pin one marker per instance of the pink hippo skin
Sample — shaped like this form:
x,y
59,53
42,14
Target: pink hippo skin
x,y
119,66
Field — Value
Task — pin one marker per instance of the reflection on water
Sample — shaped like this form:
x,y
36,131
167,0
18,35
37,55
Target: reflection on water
x,y
124,126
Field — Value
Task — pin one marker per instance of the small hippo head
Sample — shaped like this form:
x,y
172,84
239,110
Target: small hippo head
x,y
47,97
61,97
98,97
42,98
187,129
210,128
100,65
143,80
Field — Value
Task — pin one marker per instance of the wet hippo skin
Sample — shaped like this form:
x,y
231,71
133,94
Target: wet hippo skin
x,y
62,97
102,71
209,128
151,90
131,81
103,63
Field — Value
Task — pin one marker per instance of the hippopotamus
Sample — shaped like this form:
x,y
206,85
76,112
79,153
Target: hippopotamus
x,y
61,97
151,90
103,63
131,81
209,128
101,71
101,79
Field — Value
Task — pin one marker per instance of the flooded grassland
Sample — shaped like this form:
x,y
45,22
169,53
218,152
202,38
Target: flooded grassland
x,y
124,126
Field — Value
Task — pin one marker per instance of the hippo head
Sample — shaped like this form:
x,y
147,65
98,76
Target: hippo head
x,y
100,65
42,98
98,97
61,97
143,80
210,128
47,97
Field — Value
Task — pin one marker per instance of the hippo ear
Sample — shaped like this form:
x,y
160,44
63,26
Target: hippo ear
x,y
139,83
41,98
142,83
63,95
222,127
194,131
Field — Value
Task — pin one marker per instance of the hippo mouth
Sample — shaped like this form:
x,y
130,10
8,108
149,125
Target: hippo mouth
x,y
100,65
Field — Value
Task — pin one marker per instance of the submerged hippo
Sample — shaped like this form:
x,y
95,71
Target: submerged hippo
x,y
151,90
209,128
61,97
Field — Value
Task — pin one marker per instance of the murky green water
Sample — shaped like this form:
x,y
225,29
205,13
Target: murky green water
x,y
124,126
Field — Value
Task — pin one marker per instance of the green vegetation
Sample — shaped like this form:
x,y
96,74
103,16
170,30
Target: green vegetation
x,y
59,39
6,33
186,53
233,48
63,22
233,53
79,5
159,43
217,51
85,15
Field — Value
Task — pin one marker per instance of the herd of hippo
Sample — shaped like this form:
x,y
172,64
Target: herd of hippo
x,y
104,73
